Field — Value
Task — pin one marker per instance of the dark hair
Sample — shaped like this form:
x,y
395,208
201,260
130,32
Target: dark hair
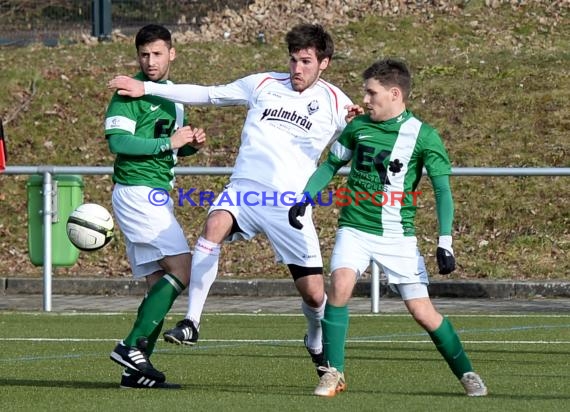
x,y
153,32
391,72
304,36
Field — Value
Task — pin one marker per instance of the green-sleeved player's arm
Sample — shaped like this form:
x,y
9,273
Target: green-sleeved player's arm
x,y
323,175
137,146
443,203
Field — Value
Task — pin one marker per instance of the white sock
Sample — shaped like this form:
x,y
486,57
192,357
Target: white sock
x,y
314,330
204,271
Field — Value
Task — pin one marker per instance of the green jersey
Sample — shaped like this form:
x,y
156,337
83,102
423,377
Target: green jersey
x,y
387,163
147,117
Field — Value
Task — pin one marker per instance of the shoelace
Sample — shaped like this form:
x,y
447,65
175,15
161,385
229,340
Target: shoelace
x,y
473,383
330,377
186,323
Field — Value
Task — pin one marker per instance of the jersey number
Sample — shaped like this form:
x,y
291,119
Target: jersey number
x,y
163,127
365,161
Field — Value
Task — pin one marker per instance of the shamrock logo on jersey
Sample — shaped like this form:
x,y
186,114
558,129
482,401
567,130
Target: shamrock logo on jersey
x,y
395,167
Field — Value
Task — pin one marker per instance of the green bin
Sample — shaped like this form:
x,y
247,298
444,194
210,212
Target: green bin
x,y
68,195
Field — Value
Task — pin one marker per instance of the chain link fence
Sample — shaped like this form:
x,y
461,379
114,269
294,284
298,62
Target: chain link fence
x,y
54,22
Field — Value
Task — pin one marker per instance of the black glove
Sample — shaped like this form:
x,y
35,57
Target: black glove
x,y
298,209
445,261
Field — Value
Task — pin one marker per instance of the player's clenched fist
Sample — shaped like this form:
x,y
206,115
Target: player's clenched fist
x,y
199,138
187,135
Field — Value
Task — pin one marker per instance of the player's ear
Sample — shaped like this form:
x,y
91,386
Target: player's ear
x,y
396,93
324,63
172,54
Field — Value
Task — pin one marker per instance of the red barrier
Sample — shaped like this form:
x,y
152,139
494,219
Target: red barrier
x,y
2,149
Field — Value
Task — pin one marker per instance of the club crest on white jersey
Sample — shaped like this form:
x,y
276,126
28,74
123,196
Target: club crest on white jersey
x,y
313,107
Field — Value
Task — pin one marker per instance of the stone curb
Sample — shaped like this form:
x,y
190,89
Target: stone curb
x,y
285,287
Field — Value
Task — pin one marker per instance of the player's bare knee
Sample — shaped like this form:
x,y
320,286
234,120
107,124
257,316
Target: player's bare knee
x,y
342,285
420,318
153,278
314,301
179,266
218,226
339,297
425,315
313,296
309,283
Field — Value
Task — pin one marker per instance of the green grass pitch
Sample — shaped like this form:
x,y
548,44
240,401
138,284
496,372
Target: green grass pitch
x,y
60,362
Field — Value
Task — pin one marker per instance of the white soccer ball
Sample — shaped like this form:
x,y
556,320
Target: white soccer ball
x,y
90,227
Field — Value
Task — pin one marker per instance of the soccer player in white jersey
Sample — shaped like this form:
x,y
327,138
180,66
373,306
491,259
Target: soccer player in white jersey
x,y
147,135
291,119
388,148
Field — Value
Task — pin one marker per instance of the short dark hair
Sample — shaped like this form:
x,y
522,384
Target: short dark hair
x,y
153,32
304,36
391,72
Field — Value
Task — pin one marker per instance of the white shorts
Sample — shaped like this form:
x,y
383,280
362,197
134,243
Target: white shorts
x,y
398,258
260,210
151,232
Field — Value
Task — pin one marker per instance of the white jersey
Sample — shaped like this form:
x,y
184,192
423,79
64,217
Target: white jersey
x,y
284,132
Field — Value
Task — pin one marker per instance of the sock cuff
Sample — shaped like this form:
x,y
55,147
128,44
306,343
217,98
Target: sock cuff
x,y
173,280
195,322
334,312
443,332
205,246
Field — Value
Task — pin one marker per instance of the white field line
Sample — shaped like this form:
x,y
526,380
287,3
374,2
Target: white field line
x,y
352,315
234,343
278,341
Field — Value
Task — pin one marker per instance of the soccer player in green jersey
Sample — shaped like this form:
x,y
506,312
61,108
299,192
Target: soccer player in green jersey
x,y
291,118
388,148
147,135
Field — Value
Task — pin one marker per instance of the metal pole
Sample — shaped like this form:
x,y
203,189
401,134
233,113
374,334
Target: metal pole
x,y
218,171
375,288
47,215
95,18
108,170
101,19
